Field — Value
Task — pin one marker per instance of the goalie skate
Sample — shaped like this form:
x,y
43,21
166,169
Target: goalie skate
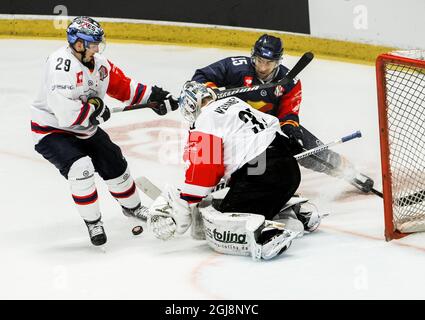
x,y
300,215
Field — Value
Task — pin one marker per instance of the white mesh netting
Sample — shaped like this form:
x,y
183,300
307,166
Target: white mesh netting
x,y
405,101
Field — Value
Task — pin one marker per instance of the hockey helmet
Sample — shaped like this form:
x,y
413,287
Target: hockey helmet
x,y
86,29
268,47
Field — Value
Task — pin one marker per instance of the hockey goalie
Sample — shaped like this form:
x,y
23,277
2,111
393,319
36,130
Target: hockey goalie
x,y
231,141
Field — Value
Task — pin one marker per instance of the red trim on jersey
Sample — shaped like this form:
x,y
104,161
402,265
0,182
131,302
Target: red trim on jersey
x,y
36,128
190,198
84,111
119,84
210,84
139,93
290,102
205,155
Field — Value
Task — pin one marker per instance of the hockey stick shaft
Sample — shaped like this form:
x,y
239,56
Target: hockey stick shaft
x,y
299,66
323,147
149,105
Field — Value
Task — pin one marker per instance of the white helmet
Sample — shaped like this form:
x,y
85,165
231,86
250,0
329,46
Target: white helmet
x,y
190,100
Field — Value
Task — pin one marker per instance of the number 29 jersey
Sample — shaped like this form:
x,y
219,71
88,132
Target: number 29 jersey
x,y
226,135
61,104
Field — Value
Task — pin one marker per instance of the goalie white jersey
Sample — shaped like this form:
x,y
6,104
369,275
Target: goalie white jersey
x,y
226,135
61,105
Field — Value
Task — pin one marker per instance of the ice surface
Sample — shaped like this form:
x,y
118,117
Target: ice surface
x,y
44,246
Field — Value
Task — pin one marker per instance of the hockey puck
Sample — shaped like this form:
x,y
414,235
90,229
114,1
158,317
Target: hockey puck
x,y
137,230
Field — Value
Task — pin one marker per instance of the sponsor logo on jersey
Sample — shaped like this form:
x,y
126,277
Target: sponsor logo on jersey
x,y
247,81
90,83
79,78
103,72
63,87
263,93
229,237
278,91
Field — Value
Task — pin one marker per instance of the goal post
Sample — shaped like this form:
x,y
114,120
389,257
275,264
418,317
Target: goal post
x,y
401,105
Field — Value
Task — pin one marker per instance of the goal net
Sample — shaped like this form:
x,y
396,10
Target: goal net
x,y
401,103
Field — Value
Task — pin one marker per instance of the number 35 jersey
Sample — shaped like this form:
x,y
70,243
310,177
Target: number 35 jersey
x,y
227,134
61,104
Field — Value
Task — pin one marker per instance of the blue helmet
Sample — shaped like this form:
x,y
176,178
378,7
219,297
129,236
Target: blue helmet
x,y
268,47
86,29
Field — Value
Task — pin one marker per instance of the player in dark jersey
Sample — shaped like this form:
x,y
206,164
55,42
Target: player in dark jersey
x,y
265,66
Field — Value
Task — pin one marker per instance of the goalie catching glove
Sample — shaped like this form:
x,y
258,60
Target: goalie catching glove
x,y
169,214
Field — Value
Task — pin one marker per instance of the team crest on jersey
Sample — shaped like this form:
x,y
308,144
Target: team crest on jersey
x,y
79,78
103,72
247,81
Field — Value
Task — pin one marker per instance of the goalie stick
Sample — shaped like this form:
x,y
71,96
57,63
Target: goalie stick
x,y
221,94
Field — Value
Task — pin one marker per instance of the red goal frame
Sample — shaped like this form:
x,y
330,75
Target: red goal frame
x,y
390,231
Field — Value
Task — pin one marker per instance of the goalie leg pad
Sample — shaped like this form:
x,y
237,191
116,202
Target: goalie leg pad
x,y
245,234
197,230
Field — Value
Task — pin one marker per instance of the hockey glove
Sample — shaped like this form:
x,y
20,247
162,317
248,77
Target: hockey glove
x,y
165,100
295,136
101,112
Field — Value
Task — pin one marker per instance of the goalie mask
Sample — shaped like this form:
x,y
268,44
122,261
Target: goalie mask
x,y
191,99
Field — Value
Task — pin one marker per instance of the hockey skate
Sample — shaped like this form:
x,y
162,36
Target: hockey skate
x,y
362,182
140,212
348,172
96,232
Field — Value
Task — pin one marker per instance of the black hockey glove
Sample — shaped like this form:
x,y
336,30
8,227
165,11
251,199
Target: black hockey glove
x,y
295,135
165,100
101,112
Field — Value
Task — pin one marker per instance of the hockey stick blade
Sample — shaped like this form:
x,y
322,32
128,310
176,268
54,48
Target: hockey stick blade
x,y
413,198
299,66
148,188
